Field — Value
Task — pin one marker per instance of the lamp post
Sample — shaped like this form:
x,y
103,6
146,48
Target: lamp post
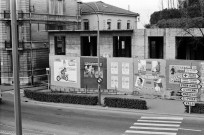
x,y
98,48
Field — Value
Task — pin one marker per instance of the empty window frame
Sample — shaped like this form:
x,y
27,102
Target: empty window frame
x,y
89,46
156,47
109,24
86,24
60,45
119,24
189,48
128,24
122,46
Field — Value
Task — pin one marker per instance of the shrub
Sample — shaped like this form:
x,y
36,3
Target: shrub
x,y
198,108
125,103
61,98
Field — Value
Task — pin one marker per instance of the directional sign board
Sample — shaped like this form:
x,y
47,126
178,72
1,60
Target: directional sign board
x,y
194,81
99,80
191,71
189,90
190,85
189,103
193,99
188,75
189,94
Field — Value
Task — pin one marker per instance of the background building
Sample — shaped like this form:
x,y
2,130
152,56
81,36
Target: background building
x,y
35,17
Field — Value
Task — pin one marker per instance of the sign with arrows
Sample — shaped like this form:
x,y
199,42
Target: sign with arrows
x,y
194,81
189,103
187,75
184,85
193,99
191,71
189,90
187,94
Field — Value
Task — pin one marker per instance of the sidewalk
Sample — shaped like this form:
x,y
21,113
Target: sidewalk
x,y
155,105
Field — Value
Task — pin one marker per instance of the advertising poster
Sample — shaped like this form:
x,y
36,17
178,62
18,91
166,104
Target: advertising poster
x,y
114,67
141,66
139,83
114,81
65,70
176,71
125,68
125,82
155,67
91,70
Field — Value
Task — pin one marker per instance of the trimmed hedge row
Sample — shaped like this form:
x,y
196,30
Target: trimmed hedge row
x,y
125,103
198,108
61,98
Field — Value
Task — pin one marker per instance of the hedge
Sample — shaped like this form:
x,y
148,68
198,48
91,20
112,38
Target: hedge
x,y
61,97
198,108
125,103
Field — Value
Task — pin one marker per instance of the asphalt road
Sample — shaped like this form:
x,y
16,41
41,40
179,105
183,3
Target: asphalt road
x,y
51,119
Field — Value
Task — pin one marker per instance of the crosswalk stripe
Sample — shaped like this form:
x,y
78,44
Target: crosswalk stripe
x,y
165,118
149,132
159,121
152,124
154,128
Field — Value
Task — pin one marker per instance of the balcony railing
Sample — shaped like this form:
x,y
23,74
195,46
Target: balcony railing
x,y
39,17
8,45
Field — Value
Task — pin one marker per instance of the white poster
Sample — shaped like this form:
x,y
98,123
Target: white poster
x,y
114,67
65,70
125,68
125,82
114,81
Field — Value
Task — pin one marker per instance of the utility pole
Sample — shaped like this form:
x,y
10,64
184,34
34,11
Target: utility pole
x,y
17,102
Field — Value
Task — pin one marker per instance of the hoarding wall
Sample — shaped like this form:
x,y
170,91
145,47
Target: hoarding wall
x,y
89,72
65,71
120,74
149,76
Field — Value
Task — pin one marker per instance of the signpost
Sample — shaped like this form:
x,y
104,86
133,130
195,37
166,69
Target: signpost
x,y
190,85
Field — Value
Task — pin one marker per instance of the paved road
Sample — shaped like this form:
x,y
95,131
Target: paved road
x,y
54,119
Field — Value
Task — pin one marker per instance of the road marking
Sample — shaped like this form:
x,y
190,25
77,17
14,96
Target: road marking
x,y
152,124
165,118
159,121
155,128
149,132
190,129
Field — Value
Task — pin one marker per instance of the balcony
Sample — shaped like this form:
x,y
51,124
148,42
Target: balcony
x,y
8,45
39,17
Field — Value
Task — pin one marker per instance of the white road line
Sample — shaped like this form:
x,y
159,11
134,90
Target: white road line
x,y
190,129
152,124
155,128
165,118
149,132
159,121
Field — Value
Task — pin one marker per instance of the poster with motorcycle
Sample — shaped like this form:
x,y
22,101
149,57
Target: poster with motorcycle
x,y
65,70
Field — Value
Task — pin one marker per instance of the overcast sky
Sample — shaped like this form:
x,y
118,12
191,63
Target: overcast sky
x,y
144,7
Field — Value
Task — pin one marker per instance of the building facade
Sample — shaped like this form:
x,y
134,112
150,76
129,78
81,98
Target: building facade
x,y
34,19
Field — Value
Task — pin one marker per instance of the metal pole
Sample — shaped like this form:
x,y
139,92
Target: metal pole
x,y
17,102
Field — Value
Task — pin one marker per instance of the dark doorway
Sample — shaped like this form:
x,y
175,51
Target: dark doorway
x,y
156,46
89,46
122,46
189,48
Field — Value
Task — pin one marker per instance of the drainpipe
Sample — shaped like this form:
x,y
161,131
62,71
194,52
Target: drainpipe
x,y
31,49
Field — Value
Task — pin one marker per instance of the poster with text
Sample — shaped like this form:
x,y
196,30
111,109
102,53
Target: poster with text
x,y
114,67
141,66
125,82
114,81
65,70
125,68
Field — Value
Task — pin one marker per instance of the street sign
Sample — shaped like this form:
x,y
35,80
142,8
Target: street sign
x,y
99,80
184,85
194,81
191,71
195,99
189,103
187,75
189,90
187,94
